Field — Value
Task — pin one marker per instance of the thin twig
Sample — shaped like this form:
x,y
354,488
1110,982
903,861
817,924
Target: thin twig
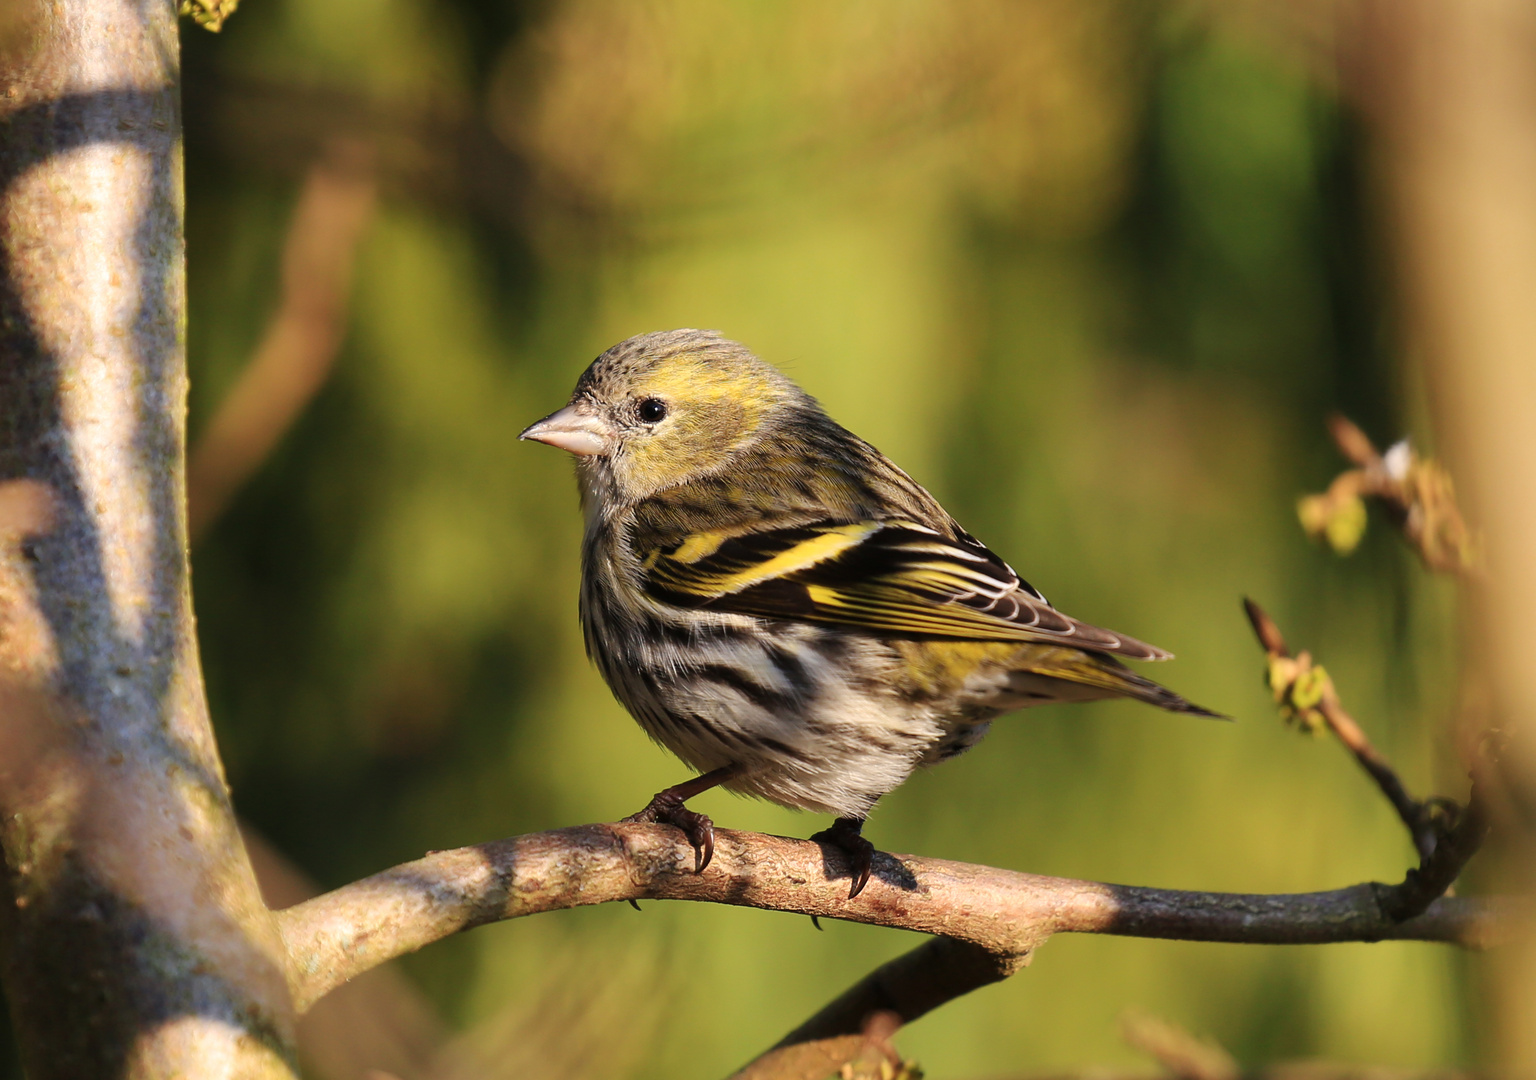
x,y
335,937
1417,816
1416,493
1445,834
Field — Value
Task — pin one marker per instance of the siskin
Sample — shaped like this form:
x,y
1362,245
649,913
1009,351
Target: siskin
x,y
782,607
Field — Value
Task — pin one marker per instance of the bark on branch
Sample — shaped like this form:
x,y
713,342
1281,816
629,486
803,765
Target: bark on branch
x,y
1006,914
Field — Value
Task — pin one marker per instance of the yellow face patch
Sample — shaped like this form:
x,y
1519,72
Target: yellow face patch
x,y
711,411
684,381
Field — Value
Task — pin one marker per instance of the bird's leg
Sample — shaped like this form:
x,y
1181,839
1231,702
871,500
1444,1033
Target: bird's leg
x,y
846,835
667,807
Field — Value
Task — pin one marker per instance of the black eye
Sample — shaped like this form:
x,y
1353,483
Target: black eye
x,y
652,410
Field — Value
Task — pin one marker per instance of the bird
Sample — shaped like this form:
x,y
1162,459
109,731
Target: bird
x,y
784,609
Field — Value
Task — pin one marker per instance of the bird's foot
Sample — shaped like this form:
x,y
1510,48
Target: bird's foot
x,y
845,835
666,807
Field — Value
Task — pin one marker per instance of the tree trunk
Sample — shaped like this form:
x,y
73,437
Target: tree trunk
x,y
133,942
1451,89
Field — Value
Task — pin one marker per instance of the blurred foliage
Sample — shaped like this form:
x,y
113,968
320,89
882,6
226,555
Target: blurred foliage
x,y
1341,521
1092,270
209,14
1417,494
1299,687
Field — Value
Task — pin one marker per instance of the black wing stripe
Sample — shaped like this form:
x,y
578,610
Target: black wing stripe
x,y
894,577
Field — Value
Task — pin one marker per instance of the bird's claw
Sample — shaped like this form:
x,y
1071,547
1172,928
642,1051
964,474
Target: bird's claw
x,y
698,828
845,836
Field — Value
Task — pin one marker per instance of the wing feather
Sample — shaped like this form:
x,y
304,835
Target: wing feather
x,y
883,577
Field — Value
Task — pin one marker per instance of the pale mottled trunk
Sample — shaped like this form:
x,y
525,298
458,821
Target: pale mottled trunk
x,y
132,938
1452,87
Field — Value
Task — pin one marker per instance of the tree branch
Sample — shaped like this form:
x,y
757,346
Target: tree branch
x,y
868,1053
893,995
302,338
335,937
380,1024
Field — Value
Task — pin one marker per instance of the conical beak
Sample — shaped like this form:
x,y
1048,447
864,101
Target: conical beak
x,y
574,429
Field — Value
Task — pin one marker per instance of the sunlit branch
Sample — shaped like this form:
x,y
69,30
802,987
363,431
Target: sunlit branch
x,y
335,937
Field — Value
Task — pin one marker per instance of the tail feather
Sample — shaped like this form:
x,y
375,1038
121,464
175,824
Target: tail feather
x,y
1043,675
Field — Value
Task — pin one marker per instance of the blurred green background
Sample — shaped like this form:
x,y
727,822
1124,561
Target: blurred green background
x,y
1094,271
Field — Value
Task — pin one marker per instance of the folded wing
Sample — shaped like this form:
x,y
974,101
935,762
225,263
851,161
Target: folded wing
x,y
895,578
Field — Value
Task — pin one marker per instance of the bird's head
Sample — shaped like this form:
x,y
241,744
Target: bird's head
x,y
661,409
